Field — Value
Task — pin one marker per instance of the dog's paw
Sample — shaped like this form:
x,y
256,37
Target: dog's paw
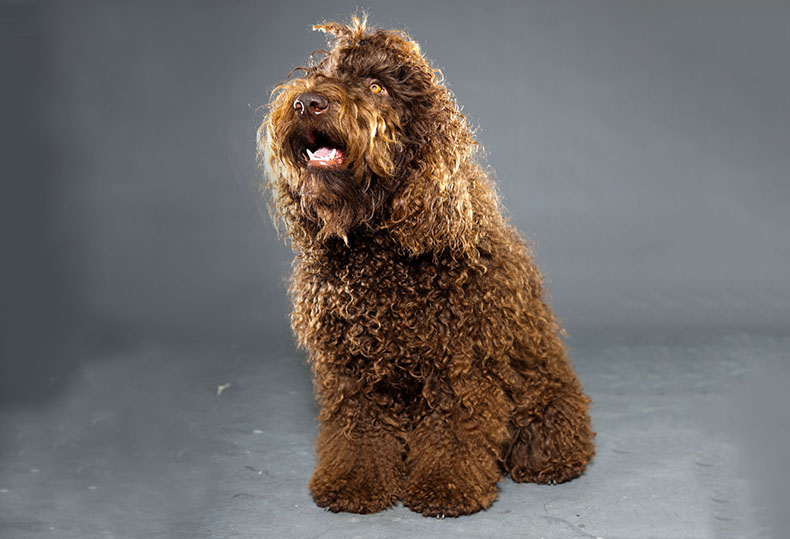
x,y
448,496
548,475
351,494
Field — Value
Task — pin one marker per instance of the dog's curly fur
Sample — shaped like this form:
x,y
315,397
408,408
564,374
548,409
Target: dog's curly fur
x,y
437,364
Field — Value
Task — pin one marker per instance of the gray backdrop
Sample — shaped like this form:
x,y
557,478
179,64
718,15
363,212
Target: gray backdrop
x,y
643,147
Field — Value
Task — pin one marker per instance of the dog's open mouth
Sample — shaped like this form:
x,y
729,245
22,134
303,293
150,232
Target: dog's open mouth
x,y
322,150
325,157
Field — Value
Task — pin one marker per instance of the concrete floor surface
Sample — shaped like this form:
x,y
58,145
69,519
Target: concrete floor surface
x,y
158,440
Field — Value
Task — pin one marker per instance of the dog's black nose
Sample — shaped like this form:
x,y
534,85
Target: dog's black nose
x,y
310,103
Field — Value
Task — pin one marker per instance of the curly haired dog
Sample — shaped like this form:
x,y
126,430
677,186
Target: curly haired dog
x,y
437,365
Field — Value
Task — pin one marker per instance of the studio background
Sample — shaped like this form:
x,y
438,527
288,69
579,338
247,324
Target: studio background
x,y
644,149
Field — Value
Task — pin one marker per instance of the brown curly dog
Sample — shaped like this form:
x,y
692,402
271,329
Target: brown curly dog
x,y
437,364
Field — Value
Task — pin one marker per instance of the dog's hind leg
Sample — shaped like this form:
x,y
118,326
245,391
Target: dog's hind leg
x,y
553,443
551,436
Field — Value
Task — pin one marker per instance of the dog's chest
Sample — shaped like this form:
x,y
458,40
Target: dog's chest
x,y
380,308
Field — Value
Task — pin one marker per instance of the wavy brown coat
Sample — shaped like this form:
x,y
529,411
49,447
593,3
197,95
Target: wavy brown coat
x,y
437,364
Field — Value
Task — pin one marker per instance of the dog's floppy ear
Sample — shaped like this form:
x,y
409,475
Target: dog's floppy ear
x,y
444,201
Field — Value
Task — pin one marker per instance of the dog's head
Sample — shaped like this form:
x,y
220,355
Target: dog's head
x,y
370,138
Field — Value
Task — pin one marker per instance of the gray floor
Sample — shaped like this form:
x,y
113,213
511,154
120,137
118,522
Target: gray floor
x,y
139,443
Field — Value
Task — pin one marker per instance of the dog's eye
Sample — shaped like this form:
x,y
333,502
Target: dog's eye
x,y
377,88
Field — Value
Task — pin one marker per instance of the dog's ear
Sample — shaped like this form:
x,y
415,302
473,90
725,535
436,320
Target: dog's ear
x,y
446,198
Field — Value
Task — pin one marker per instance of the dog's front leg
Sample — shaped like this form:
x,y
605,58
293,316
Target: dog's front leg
x,y
359,451
454,451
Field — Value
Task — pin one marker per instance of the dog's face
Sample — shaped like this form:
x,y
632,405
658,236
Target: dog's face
x,y
343,144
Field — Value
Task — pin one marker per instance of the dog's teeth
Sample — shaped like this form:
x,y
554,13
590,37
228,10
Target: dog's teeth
x,y
310,155
332,155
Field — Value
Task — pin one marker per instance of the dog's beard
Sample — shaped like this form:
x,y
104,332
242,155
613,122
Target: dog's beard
x,y
335,201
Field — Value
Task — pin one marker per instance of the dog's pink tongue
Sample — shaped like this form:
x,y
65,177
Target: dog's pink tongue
x,y
323,153
326,156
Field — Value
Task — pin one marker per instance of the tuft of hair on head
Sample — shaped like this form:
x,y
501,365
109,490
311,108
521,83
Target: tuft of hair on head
x,y
354,30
